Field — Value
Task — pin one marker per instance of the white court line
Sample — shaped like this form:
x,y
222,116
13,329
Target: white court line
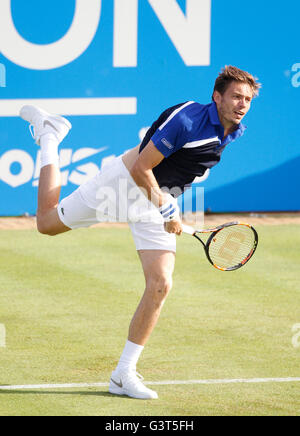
x,y
157,383
73,106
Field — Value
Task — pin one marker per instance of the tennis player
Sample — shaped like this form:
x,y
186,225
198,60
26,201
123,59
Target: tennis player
x,y
182,144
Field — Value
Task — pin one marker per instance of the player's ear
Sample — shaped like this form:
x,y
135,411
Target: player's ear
x,y
217,97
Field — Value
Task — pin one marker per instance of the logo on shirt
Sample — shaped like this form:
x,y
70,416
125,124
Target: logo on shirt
x,y
167,144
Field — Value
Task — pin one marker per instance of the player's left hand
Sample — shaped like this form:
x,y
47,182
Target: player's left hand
x,y
174,226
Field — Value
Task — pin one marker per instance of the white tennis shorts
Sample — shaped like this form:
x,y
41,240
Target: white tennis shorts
x,y
113,196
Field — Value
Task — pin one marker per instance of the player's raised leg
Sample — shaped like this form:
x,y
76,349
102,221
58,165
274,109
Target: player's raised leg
x,y
48,131
158,266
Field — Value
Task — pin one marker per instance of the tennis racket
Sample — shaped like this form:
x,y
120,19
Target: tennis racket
x,y
229,246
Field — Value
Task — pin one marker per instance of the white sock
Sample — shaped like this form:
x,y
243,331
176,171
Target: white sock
x,y
130,356
49,150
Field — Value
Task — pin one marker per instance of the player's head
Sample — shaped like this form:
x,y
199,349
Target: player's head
x,y
233,93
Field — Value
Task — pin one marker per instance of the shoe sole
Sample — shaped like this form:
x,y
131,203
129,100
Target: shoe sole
x,y
118,391
43,114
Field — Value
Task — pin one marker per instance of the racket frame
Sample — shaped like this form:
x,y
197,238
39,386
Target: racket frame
x,y
214,232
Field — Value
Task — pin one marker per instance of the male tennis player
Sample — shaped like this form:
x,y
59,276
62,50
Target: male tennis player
x,y
181,145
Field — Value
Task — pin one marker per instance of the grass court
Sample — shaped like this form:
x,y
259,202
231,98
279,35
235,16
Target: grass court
x,y
66,303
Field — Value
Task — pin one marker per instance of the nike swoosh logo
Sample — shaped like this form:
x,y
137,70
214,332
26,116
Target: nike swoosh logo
x,y
47,123
82,160
89,153
116,383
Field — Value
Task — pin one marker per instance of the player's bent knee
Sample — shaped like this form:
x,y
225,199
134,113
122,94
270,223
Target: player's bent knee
x,y
44,228
49,224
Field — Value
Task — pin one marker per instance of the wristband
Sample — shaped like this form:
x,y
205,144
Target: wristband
x,y
169,211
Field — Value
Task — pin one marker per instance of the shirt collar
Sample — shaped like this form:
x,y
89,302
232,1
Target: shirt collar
x,y
215,120
213,114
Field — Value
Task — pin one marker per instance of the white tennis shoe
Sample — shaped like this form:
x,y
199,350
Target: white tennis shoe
x,y
129,382
41,122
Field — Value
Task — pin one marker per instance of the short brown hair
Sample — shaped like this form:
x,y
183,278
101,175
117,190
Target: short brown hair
x,y
231,74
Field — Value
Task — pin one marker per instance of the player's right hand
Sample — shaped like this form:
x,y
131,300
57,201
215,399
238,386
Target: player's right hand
x,y
174,226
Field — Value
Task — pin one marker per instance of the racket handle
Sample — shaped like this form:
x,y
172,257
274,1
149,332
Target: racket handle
x,y
188,230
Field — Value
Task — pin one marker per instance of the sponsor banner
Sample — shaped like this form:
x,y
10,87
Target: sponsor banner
x,y
112,66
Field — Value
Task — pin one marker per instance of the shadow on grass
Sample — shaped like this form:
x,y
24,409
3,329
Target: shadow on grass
x,y
38,392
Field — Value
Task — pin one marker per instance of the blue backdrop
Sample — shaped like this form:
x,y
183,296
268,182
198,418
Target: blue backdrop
x,y
112,66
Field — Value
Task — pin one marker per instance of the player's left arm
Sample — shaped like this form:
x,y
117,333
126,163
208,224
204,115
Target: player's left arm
x,y
167,139
142,173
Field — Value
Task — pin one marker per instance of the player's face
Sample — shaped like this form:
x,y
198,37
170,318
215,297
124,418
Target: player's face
x,y
234,104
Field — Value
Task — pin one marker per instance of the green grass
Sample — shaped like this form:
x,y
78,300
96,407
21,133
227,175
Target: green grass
x,y
67,302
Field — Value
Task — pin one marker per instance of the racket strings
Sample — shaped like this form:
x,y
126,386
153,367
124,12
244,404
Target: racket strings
x,y
231,246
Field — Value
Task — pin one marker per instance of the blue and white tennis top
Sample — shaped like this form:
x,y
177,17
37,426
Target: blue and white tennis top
x,y
191,138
